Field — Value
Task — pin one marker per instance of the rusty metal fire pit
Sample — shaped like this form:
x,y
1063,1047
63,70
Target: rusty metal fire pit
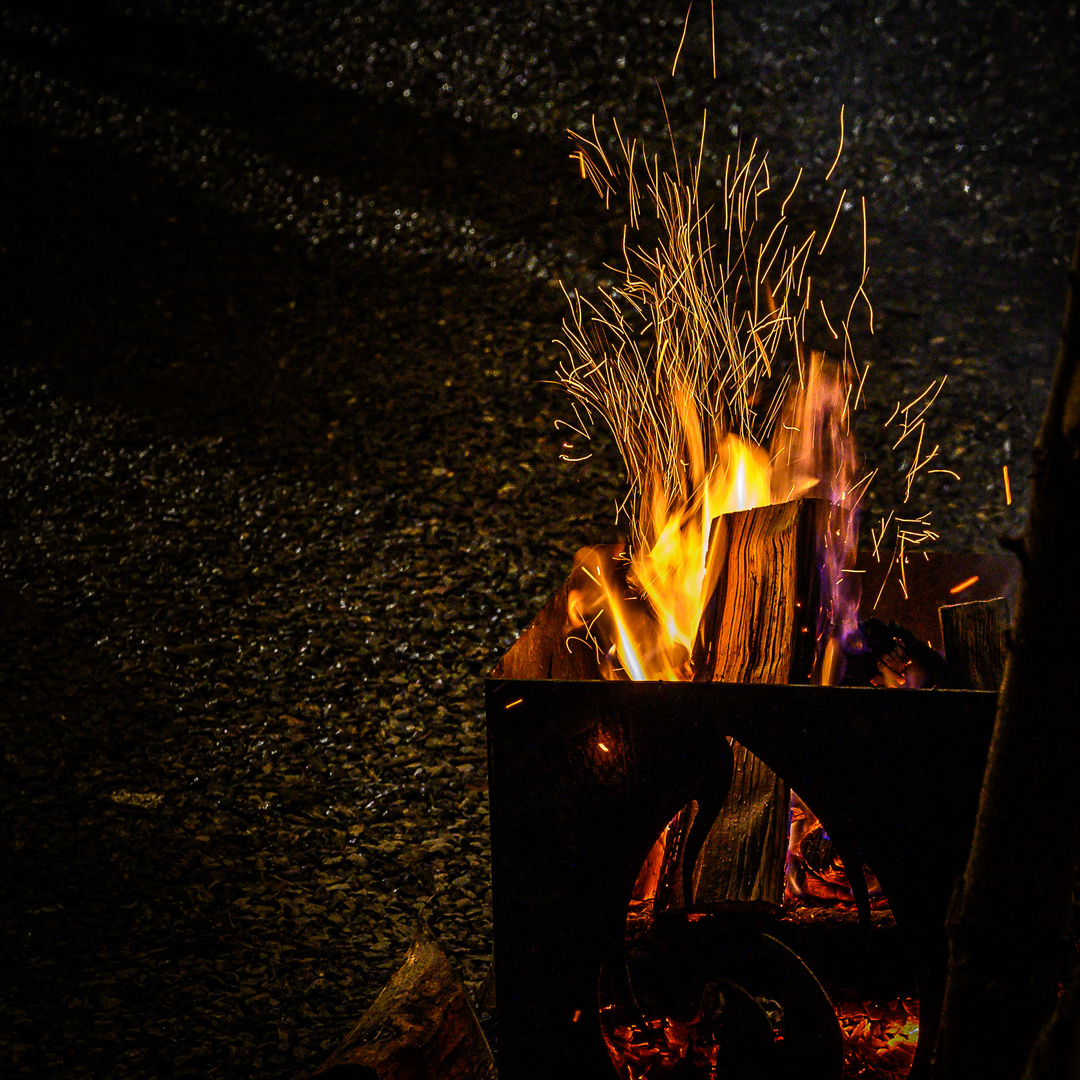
x,y
584,775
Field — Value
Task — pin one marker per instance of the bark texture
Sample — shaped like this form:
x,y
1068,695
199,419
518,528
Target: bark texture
x,y
1010,919
421,1027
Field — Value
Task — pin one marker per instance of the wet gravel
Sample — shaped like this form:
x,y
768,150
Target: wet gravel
x,y
278,451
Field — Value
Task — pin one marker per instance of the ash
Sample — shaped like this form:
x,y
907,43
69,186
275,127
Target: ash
x,y
280,469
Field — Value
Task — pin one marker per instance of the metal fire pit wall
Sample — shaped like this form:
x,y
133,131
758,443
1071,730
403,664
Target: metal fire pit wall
x,y
584,774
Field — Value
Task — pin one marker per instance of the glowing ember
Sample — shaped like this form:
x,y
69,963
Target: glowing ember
x,y
659,1048
879,1041
688,1028
814,873
960,586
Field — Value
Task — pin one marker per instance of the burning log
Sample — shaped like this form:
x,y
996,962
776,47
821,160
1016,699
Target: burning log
x,y
974,635
422,1025
760,626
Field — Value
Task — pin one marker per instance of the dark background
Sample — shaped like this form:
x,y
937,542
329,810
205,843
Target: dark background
x,y
280,473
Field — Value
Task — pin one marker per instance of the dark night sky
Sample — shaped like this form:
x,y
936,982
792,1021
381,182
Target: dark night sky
x,y
280,468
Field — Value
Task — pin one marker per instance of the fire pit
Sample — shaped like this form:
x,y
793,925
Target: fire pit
x,y
586,773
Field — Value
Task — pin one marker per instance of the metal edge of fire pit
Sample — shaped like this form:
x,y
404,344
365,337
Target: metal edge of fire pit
x,y
585,773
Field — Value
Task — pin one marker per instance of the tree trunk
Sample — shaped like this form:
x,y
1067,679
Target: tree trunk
x,y
1011,915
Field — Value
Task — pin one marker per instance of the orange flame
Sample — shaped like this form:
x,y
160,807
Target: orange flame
x,y
677,567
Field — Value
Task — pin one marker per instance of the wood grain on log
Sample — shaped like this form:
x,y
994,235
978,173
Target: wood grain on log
x,y
760,627
759,624
743,859
975,637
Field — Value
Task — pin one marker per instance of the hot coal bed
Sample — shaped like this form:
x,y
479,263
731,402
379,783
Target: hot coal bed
x,y
585,774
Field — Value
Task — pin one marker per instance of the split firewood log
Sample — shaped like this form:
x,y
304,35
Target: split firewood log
x,y
759,627
421,1026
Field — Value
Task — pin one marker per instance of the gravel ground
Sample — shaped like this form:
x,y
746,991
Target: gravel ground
x,y
278,451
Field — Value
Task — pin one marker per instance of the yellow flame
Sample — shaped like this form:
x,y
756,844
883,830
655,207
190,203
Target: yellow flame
x,y
673,572
628,656
676,570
